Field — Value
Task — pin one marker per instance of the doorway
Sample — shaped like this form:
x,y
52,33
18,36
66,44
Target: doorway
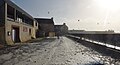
x,y
15,34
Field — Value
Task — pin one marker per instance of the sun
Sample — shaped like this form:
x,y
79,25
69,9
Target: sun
x,y
109,4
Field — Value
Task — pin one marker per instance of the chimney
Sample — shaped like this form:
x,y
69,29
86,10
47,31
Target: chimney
x,y
64,23
52,18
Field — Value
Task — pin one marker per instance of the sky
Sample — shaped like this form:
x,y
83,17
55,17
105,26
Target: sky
x,y
77,14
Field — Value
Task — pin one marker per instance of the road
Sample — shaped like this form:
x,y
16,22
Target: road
x,y
63,51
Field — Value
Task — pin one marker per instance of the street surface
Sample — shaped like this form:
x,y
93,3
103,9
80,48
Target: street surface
x,y
53,51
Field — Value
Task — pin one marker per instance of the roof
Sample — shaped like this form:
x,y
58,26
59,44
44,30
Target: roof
x,y
18,8
44,20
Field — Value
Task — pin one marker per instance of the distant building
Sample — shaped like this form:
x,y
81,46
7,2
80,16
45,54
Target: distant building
x,y
16,25
61,29
46,27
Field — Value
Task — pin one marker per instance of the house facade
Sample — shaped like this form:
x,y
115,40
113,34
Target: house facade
x,y
46,27
16,25
61,29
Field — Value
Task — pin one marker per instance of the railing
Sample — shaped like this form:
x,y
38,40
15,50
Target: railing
x,y
113,39
108,40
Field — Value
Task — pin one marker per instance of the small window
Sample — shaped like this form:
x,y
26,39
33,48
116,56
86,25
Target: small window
x,y
36,24
25,29
29,31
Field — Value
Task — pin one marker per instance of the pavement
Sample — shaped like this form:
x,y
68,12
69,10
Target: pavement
x,y
53,51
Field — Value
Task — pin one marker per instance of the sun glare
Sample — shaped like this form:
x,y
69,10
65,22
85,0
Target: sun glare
x,y
109,4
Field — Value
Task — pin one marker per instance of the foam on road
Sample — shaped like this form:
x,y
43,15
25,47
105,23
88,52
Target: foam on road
x,y
63,51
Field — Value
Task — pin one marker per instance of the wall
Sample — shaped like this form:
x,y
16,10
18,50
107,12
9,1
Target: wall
x,y
113,39
47,28
2,36
64,29
2,13
2,19
34,29
23,34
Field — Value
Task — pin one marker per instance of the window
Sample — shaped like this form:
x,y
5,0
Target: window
x,y
36,23
10,12
28,20
25,29
29,31
19,16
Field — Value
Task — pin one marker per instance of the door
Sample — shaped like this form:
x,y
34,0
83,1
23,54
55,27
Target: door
x,y
15,35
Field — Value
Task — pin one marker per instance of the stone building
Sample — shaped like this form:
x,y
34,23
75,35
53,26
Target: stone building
x,y
61,29
16,25
46,27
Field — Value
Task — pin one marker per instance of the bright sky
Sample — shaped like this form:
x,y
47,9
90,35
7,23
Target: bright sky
x,y
77,14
